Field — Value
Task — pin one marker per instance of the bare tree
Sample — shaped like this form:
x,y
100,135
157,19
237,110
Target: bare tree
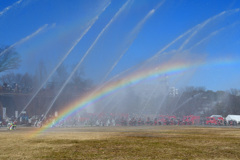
x,y
9,59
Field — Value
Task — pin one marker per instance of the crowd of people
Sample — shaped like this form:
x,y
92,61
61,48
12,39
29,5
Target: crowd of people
x,y
110,119
14,88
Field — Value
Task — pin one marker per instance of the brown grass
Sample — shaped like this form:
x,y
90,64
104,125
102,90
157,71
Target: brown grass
x,y
156,142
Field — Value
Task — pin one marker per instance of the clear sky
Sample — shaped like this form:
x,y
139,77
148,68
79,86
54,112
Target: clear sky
x,y
136,34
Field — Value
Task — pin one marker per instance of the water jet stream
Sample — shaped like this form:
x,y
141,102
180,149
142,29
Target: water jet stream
x,y
185,102
157,87
195,29
87,52
201,26
148,99
65,56
133,36
9,7
24,39
211,35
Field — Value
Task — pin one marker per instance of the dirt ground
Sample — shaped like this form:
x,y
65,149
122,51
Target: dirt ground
x,y
142,142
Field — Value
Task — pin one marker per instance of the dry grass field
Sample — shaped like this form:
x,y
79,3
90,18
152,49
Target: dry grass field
x,y
148,142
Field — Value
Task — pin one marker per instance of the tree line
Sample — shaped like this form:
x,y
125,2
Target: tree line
x,y
17,89
189,100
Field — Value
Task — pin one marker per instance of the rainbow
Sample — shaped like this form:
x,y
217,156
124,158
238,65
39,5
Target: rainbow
x,y
150,73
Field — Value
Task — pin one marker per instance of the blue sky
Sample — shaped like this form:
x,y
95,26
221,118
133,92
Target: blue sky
x,y
66,21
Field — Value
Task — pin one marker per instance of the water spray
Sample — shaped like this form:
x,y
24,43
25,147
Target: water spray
x,y
211,35
64,57
20,42
84,56
24,39
185,102
202,25
133,36
9,7
195,29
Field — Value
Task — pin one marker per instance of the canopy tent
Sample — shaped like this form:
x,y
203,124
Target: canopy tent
x,y
233,117
216,116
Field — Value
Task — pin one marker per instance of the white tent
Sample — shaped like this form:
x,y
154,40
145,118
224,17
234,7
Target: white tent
x,y
216,116
233,117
